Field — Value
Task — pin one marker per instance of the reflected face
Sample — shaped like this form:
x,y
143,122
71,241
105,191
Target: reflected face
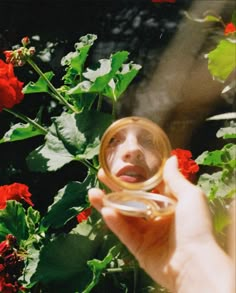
x,y
132,155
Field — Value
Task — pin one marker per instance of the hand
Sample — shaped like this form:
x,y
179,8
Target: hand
x,y
166,247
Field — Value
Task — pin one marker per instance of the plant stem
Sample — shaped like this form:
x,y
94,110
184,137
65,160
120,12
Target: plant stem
x,y
114,109
89,165
27,120
99,105
120,270
51,86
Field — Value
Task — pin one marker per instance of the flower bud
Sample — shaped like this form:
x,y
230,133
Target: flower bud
x,y
31,51
25,41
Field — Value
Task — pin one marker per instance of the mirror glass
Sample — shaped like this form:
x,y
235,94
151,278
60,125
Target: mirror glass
x,y
133,153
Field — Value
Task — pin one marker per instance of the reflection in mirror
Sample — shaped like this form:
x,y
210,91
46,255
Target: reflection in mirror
x,y
132,154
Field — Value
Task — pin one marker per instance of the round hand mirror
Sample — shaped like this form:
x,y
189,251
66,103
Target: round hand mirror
x,y
133,153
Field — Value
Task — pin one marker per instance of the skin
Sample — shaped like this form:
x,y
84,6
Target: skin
x,y
179,251
132,155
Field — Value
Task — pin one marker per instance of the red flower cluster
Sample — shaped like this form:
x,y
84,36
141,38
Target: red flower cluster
x,y
18,57
187,166
10,87
11,265
230,28
15,191
83,216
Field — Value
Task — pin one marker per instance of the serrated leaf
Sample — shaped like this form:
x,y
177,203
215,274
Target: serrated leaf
x,y
227,132
40,86
81,133
221,60
51,156
71,137
69,201
218,158
121,80
32,219
20,131
97,79
12,221
75,60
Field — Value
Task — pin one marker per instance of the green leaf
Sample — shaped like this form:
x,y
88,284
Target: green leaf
x,y
32,219
216,185
98,266
75,60
121,80
20,131
69,201
207,18
40,86
71,137
227,132
97,79
222,61
51,156
30,268
63,263
81,133
219,158
12,221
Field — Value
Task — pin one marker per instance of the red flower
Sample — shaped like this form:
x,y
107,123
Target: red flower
x,y
10,87
83,216
15,191
230,28
187,166
11,265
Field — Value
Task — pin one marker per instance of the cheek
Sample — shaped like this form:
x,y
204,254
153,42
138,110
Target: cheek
x,y
153,161
113,157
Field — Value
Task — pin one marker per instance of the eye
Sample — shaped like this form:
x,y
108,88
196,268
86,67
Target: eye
x,y
115,141
147,141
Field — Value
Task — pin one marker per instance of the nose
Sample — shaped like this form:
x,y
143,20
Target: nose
x,y
132,151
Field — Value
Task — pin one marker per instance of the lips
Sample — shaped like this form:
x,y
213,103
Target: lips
x,y
132,174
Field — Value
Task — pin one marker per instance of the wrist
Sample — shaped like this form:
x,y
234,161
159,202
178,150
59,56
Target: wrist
x,y
206,268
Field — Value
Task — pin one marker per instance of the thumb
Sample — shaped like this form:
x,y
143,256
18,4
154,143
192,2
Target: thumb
x,y
175,182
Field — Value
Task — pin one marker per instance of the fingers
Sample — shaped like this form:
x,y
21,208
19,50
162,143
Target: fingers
x,y
124,227
107,181
95,198
176,183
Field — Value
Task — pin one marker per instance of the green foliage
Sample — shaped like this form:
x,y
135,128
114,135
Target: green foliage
x,y
60,253
20,131
41,86
69,201
221,60
70,137
13,221
219,185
